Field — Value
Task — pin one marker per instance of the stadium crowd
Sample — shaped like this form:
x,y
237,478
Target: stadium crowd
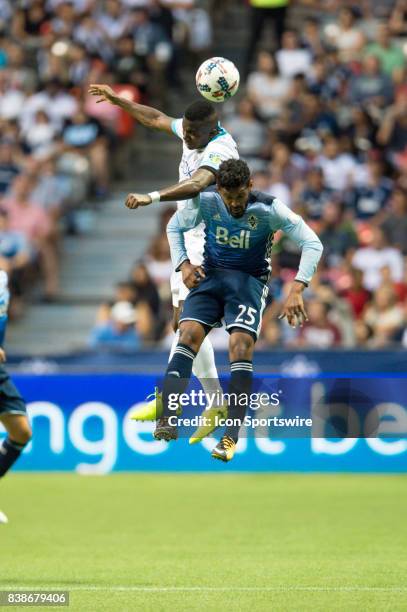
x,y
321,117
57,147
322,121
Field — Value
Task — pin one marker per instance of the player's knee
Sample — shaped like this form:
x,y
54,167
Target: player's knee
x,y
191,337
241,346
23,434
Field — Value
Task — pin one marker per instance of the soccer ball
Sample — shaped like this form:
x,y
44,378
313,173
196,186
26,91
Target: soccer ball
x,y
217,79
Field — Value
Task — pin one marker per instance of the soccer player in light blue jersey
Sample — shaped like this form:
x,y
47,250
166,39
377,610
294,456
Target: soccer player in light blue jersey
x,y
13,412
231,285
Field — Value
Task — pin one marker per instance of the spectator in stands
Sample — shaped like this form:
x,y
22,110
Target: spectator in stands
x,y
127,65
119,332
311,37
370,197
271,336
126,292
293,59
54,100
337,166
361,132
292,118
354,292
277,186
319,120
318,331
114,20
395,224
389,54
41,136
266,88
14,252
372,87
144,288
79,64
246,130
85,135
345,35
371,259
336,233
315,194
9,167
392,132
384,316
90,34
37,226
159,265
290,170
322,82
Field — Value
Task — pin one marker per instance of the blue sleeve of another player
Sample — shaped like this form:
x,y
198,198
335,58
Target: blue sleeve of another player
x,y
180,222
176,127
4,300
295,227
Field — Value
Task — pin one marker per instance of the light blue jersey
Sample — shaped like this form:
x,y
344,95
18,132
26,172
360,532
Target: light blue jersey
x,y
4,302
243,244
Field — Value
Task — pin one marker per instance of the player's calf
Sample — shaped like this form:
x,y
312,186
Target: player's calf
x,y
19,434
241,378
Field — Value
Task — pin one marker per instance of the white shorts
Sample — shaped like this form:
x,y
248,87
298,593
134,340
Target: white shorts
x,y
178,289
194,243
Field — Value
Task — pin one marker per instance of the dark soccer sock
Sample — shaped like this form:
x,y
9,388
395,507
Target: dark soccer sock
x,y
177,375
239,389
9,453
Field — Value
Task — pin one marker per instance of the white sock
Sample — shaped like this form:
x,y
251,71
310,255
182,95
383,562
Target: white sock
x,y
204,368
173,345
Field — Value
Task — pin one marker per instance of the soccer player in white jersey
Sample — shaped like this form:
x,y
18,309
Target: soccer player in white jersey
x,y
205,146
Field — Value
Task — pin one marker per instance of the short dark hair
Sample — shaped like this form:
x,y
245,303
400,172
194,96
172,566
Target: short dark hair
x,y
233,173
199,111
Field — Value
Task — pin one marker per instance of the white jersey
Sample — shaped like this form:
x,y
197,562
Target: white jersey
x,y
219,149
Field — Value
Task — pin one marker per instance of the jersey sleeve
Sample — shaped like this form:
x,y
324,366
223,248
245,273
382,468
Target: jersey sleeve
x,y
4,301
282,218
216,153
176,127
182,221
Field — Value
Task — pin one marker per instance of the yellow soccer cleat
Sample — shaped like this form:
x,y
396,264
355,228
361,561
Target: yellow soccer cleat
x,y
225,450
150,411
210,420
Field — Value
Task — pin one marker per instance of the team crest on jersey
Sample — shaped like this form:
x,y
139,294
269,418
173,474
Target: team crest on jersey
x,y
216,217
253,221
215,158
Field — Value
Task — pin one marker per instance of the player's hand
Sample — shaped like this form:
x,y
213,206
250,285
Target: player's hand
x,y
293,307
105,93
134,200
192,275
2,355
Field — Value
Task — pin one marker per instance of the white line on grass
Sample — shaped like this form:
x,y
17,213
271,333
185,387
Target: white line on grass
x,y
148,589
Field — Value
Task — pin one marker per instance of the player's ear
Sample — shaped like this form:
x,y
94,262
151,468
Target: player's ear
x,y
250,184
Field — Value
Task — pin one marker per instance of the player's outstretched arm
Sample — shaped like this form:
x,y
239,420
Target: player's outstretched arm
x,y
180,222
185,190
311,250
146,115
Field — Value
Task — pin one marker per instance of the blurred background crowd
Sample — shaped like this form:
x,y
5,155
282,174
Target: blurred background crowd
x,y
321,118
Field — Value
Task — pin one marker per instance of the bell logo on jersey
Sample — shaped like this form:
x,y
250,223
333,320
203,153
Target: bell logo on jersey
x,y
240,241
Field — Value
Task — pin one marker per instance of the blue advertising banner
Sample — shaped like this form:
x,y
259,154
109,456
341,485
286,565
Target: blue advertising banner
x,y
81,423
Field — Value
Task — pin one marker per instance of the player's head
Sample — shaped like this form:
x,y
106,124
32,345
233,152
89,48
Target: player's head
x,y
200,124
234,184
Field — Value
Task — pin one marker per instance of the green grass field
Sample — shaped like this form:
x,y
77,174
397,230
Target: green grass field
x,y
208,542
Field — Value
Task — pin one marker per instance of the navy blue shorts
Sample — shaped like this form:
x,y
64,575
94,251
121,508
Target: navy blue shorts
x,y
11,401
236,297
